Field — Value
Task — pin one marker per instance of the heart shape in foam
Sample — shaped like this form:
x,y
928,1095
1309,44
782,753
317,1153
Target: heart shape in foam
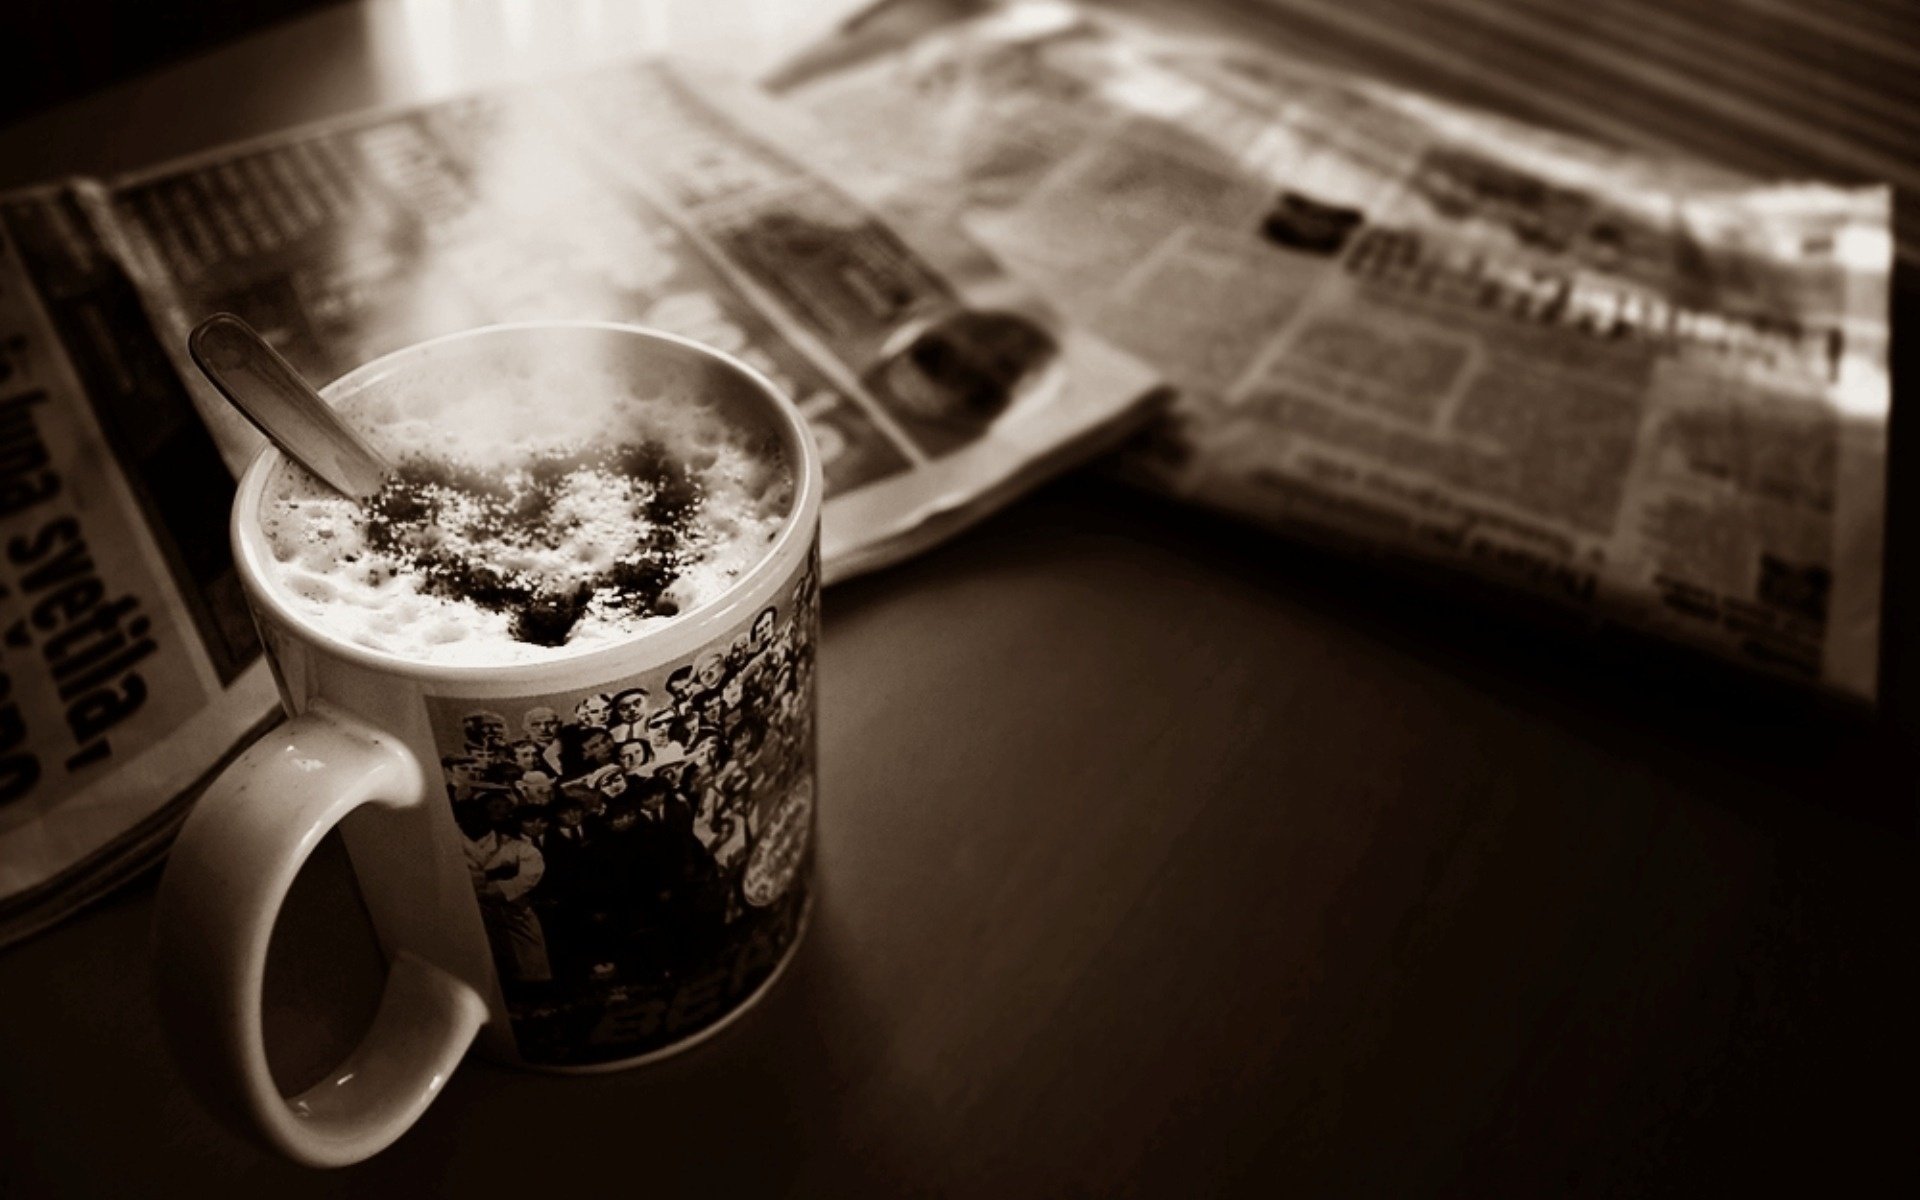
x,y
547,539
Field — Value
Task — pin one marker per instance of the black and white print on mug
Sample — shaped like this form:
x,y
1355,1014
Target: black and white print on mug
x,y
641,852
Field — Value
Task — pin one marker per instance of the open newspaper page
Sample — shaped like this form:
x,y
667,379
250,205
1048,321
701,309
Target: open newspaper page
x,y
937,385
128,662
1652,391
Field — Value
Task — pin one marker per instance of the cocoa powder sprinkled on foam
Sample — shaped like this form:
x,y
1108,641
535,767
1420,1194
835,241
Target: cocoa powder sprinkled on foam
x,y
467,534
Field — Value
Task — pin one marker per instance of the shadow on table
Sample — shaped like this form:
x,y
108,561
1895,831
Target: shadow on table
x,y
1628,693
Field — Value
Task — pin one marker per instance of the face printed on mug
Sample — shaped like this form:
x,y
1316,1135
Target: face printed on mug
x,y
634,757
660,728
763,630
631,706
705,752
485,729
542,725
596,748
535,789
593,710
464,775
680,683
712,669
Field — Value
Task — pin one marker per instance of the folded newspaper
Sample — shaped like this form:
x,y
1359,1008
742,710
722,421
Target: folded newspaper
x,y
937,385
1653,392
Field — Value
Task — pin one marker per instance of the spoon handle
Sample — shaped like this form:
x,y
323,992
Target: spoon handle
x,y
271,394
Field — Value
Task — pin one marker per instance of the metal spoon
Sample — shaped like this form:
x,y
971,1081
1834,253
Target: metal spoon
x,y
270,393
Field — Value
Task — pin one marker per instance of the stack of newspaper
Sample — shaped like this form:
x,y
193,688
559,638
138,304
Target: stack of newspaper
x,y
1653,393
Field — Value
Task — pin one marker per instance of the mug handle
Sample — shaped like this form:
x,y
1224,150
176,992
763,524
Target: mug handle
x,y
226,878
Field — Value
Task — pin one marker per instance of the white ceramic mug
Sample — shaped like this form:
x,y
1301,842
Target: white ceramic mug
x,y
647,955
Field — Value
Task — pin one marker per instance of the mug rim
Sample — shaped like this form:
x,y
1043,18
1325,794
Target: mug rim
x,y
679,632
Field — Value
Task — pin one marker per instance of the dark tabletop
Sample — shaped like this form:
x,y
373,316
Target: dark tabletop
x,y
1158,856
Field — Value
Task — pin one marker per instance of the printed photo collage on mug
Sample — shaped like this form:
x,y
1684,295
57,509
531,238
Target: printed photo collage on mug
x,y
640,852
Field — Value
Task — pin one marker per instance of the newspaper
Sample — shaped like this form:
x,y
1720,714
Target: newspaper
x,y
937,385
1653,392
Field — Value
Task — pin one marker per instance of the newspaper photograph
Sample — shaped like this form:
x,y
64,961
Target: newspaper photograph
x,y
938,386
1652,392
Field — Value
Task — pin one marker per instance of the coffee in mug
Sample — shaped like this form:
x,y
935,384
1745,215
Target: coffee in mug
x,y
521,523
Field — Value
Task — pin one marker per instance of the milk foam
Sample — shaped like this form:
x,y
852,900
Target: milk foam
x,y
498,421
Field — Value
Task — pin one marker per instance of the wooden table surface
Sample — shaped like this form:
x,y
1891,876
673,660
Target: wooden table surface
x,y
1158,857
